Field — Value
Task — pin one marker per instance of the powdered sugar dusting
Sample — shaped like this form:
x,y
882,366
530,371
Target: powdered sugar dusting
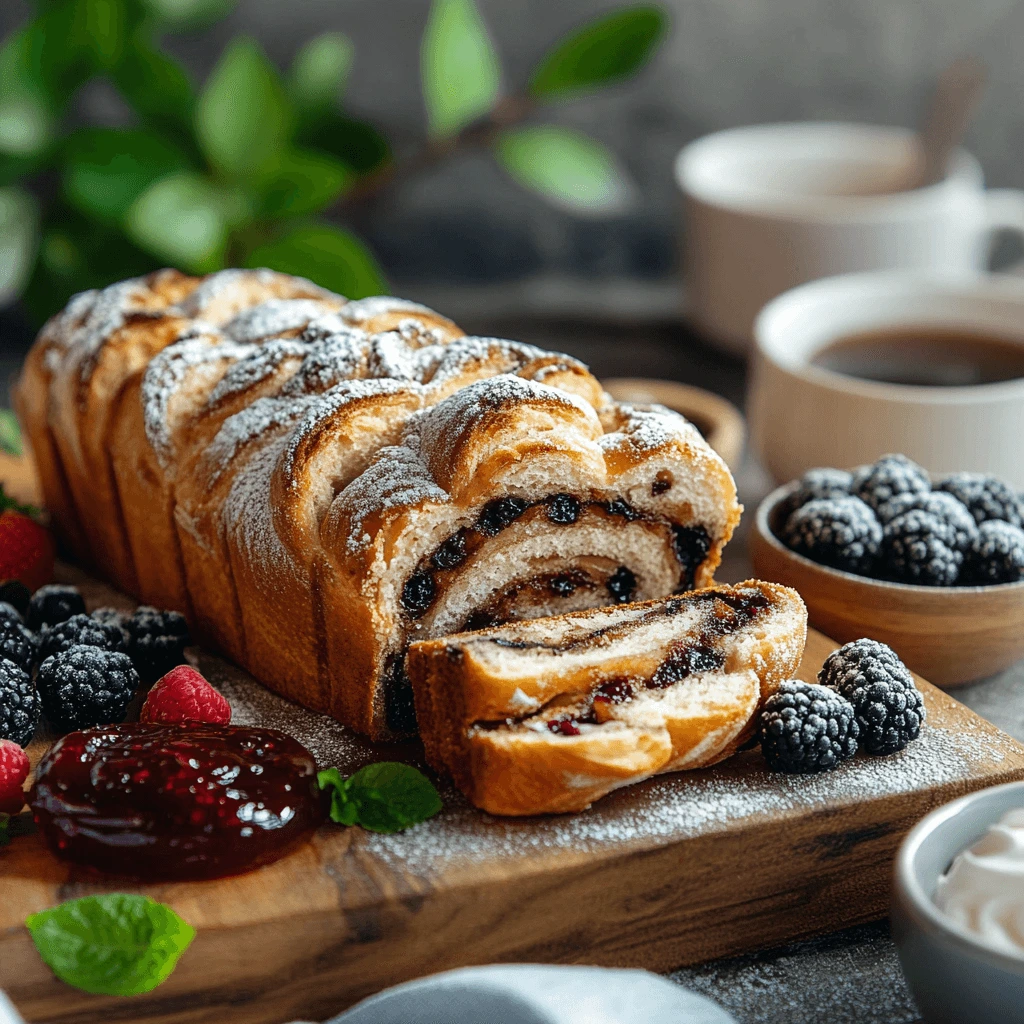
x,y
276,316
258,364
358,312
648,428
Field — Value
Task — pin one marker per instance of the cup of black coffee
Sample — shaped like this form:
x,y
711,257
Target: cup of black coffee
x,y
849,368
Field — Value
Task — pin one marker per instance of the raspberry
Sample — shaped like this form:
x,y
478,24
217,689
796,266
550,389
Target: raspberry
x,y
157,641
86,686
52,604
13,773
183,695
890,475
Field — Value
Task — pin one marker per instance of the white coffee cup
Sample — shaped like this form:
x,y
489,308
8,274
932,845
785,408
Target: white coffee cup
x,y
802,415
772,206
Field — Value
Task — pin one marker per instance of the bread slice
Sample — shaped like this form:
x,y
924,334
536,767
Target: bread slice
x,y
550,714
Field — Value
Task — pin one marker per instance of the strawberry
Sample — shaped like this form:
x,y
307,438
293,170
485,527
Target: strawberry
x,y
26,548
183,695
13,773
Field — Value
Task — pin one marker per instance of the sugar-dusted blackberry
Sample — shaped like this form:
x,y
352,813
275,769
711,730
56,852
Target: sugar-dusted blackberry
x,y
821,483
563,509
19,706
938,503
81,630
997,555
52,604
15,593
8,613
841,532
156,641
986,497
889,707
19,644
86,686
113,617
890,475
499,513
920,548
806,728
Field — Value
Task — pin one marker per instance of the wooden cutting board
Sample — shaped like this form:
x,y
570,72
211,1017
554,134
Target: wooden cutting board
x,y
675,870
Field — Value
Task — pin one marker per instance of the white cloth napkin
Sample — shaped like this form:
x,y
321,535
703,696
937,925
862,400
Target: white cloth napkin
x,y
534,994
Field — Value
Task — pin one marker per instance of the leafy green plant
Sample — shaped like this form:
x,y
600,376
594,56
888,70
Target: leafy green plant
x,y
256,167
387,796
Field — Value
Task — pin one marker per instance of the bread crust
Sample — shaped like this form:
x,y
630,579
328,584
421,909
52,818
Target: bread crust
x,y
492,704
281,465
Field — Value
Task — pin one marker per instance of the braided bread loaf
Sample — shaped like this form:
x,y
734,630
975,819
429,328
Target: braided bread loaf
x,y
315,483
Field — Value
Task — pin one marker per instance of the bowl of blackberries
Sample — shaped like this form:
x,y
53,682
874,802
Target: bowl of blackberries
x,y
932,567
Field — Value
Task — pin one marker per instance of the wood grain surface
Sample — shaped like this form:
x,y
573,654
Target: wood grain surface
x,y
676,870
951,635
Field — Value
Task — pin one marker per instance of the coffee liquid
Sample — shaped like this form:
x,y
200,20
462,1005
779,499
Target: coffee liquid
x,y
924,356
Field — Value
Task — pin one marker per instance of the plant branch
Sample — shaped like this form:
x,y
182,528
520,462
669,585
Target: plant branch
x,y
508,111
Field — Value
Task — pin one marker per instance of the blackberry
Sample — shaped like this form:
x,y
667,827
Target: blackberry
x,y
888,705
86,686
938,503
806,728
997,555
18,644
840,532
19,707
81,630
52,604
156,641
563,509
621,585
986,497
8,613
919,547
113,617
15,593
890,475
821,483
499,513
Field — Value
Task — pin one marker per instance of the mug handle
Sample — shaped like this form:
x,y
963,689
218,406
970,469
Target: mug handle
x,y
1004,211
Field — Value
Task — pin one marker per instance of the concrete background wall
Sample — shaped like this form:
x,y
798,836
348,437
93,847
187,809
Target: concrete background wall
x,y
726,62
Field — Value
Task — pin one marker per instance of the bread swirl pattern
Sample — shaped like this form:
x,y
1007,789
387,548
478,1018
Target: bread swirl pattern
x,y
549,715
317,482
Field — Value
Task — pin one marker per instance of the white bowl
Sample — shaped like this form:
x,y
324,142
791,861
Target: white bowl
x,y
803,416
955,979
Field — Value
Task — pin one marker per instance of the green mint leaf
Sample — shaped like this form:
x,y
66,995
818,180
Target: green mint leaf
x,y
320,70
342,810
570,169
303,181
107,169
459,67
328,255
117,944
609,49
243,119
157,87
10,435
181,15
391,796
356,143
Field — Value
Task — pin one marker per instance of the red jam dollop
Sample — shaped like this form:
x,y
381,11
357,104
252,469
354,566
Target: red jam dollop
x,y
172,802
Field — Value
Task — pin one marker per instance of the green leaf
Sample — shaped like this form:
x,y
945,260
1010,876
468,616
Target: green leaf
x,y
19,238
609,49
459,67
570,169
107,169
356,143
320,70
304,182
383,797
26,120
156,86
184,220
330,256
117,944
243,119
180,15
10,435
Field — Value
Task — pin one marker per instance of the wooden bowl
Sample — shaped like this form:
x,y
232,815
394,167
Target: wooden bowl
x,y
949,635
717,419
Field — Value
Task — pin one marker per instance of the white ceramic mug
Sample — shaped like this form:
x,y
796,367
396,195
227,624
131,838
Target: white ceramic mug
x,y
802,415
773,206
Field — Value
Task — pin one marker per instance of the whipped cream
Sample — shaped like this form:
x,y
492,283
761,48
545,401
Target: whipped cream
x,y
983,890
